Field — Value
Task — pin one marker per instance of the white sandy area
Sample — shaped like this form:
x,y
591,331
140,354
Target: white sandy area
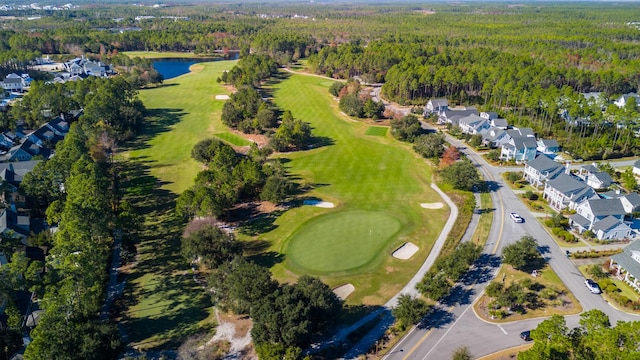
x,y
318,203
405,251
436,205
222,97
343,291
227,332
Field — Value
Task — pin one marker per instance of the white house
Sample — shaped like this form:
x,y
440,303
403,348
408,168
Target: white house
x,y
624,99
494,137
499,123
636,168
548,146
14,82
435,106
627,265
595,178
541,169
453,116
566,192
519,149
473,124
631,202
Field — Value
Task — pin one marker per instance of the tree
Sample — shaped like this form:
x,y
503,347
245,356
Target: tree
x,y
523,253
406,128
462,353
629,180
324,305
276,189
373,109
450,156
211,245
429,145
352,105
551,340
461,175
335,88
476,140
434,286
409,310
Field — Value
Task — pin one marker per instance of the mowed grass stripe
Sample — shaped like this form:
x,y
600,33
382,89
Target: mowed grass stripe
x,y
376,131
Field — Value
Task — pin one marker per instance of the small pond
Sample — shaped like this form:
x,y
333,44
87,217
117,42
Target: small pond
x,y
170,68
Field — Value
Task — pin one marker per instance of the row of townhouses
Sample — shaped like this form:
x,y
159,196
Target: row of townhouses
x,y
517,144
19,145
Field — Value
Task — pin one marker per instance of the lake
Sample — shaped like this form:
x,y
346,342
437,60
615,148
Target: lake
x,y
170,68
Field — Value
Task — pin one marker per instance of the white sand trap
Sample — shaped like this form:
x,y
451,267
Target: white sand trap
x,y
405,251
437,205
222,97
343,291
318,203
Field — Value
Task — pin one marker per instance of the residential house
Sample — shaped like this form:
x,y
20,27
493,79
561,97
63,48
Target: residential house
x,y
495,137
489,115
597,98
636,168
26,151
499,123
566,192
13,82
84,67
435,106
590,212
453,116
548,146
624,99
631,202
611,228
519,149
595,178
473,124
13,224
627,265
11,174
541,169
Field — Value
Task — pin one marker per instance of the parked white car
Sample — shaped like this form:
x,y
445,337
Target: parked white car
x,y
593,286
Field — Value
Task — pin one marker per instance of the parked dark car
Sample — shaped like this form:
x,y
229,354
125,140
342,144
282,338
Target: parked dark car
x,y
526,335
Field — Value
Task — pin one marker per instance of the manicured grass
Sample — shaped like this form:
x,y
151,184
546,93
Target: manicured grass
x,y
358,173
340,241
548,278
376,131
182,112
481,234
232,138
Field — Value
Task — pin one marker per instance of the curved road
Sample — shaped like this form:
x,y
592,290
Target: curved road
x,y
453,324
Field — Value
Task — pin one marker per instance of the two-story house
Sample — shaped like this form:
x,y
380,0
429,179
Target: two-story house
x,y
627,265
566,192
436,106
595,178
624,99
473,124
548,146
453,116
541,169
519,149
494,137
605,217
13,82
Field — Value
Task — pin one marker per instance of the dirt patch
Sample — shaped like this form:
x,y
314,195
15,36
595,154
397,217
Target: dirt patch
x,y
344,291
236,331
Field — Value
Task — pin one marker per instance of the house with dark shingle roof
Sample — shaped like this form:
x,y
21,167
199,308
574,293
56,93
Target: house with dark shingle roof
x,y
566,192
624,99
590,213
631,202
494,137
519,149
541,169
611,228
548,146
453,116
473,124
594,177
627,265
435,106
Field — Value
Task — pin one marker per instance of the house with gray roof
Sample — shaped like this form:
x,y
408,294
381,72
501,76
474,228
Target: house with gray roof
x,y
548,146
473,124
453,116
627,265
636,168
542,169
611,228
566,192
590,212
435,106
623,100
489,115
14,82
631,202
499,123
519,149
594,177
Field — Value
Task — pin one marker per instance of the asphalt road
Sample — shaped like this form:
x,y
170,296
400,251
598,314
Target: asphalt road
x,y
453,323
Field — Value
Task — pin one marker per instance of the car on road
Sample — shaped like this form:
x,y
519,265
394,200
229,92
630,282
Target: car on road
x,y
516,218
526,335
593,286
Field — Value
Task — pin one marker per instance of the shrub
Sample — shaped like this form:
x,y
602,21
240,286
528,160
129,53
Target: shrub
x,y
548,223
548,294
498,314
589,234
513,176
611,289
605,283
557,230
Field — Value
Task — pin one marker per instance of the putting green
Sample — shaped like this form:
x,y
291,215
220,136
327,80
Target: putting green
x,y
341,241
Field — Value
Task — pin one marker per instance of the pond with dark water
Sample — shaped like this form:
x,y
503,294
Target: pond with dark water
x,y
170,68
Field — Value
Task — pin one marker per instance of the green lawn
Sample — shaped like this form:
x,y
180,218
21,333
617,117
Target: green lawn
x,y
232,138
183,112
340,241
358,173
376,131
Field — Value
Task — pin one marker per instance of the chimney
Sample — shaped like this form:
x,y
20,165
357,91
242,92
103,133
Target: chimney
x,y
567,169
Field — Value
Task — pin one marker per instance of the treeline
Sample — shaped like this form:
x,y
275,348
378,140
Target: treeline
x,y
248,112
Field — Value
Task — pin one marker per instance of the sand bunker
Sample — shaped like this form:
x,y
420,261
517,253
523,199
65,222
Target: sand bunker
x,y
318,203
343,291
436,205
405,251
222,97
